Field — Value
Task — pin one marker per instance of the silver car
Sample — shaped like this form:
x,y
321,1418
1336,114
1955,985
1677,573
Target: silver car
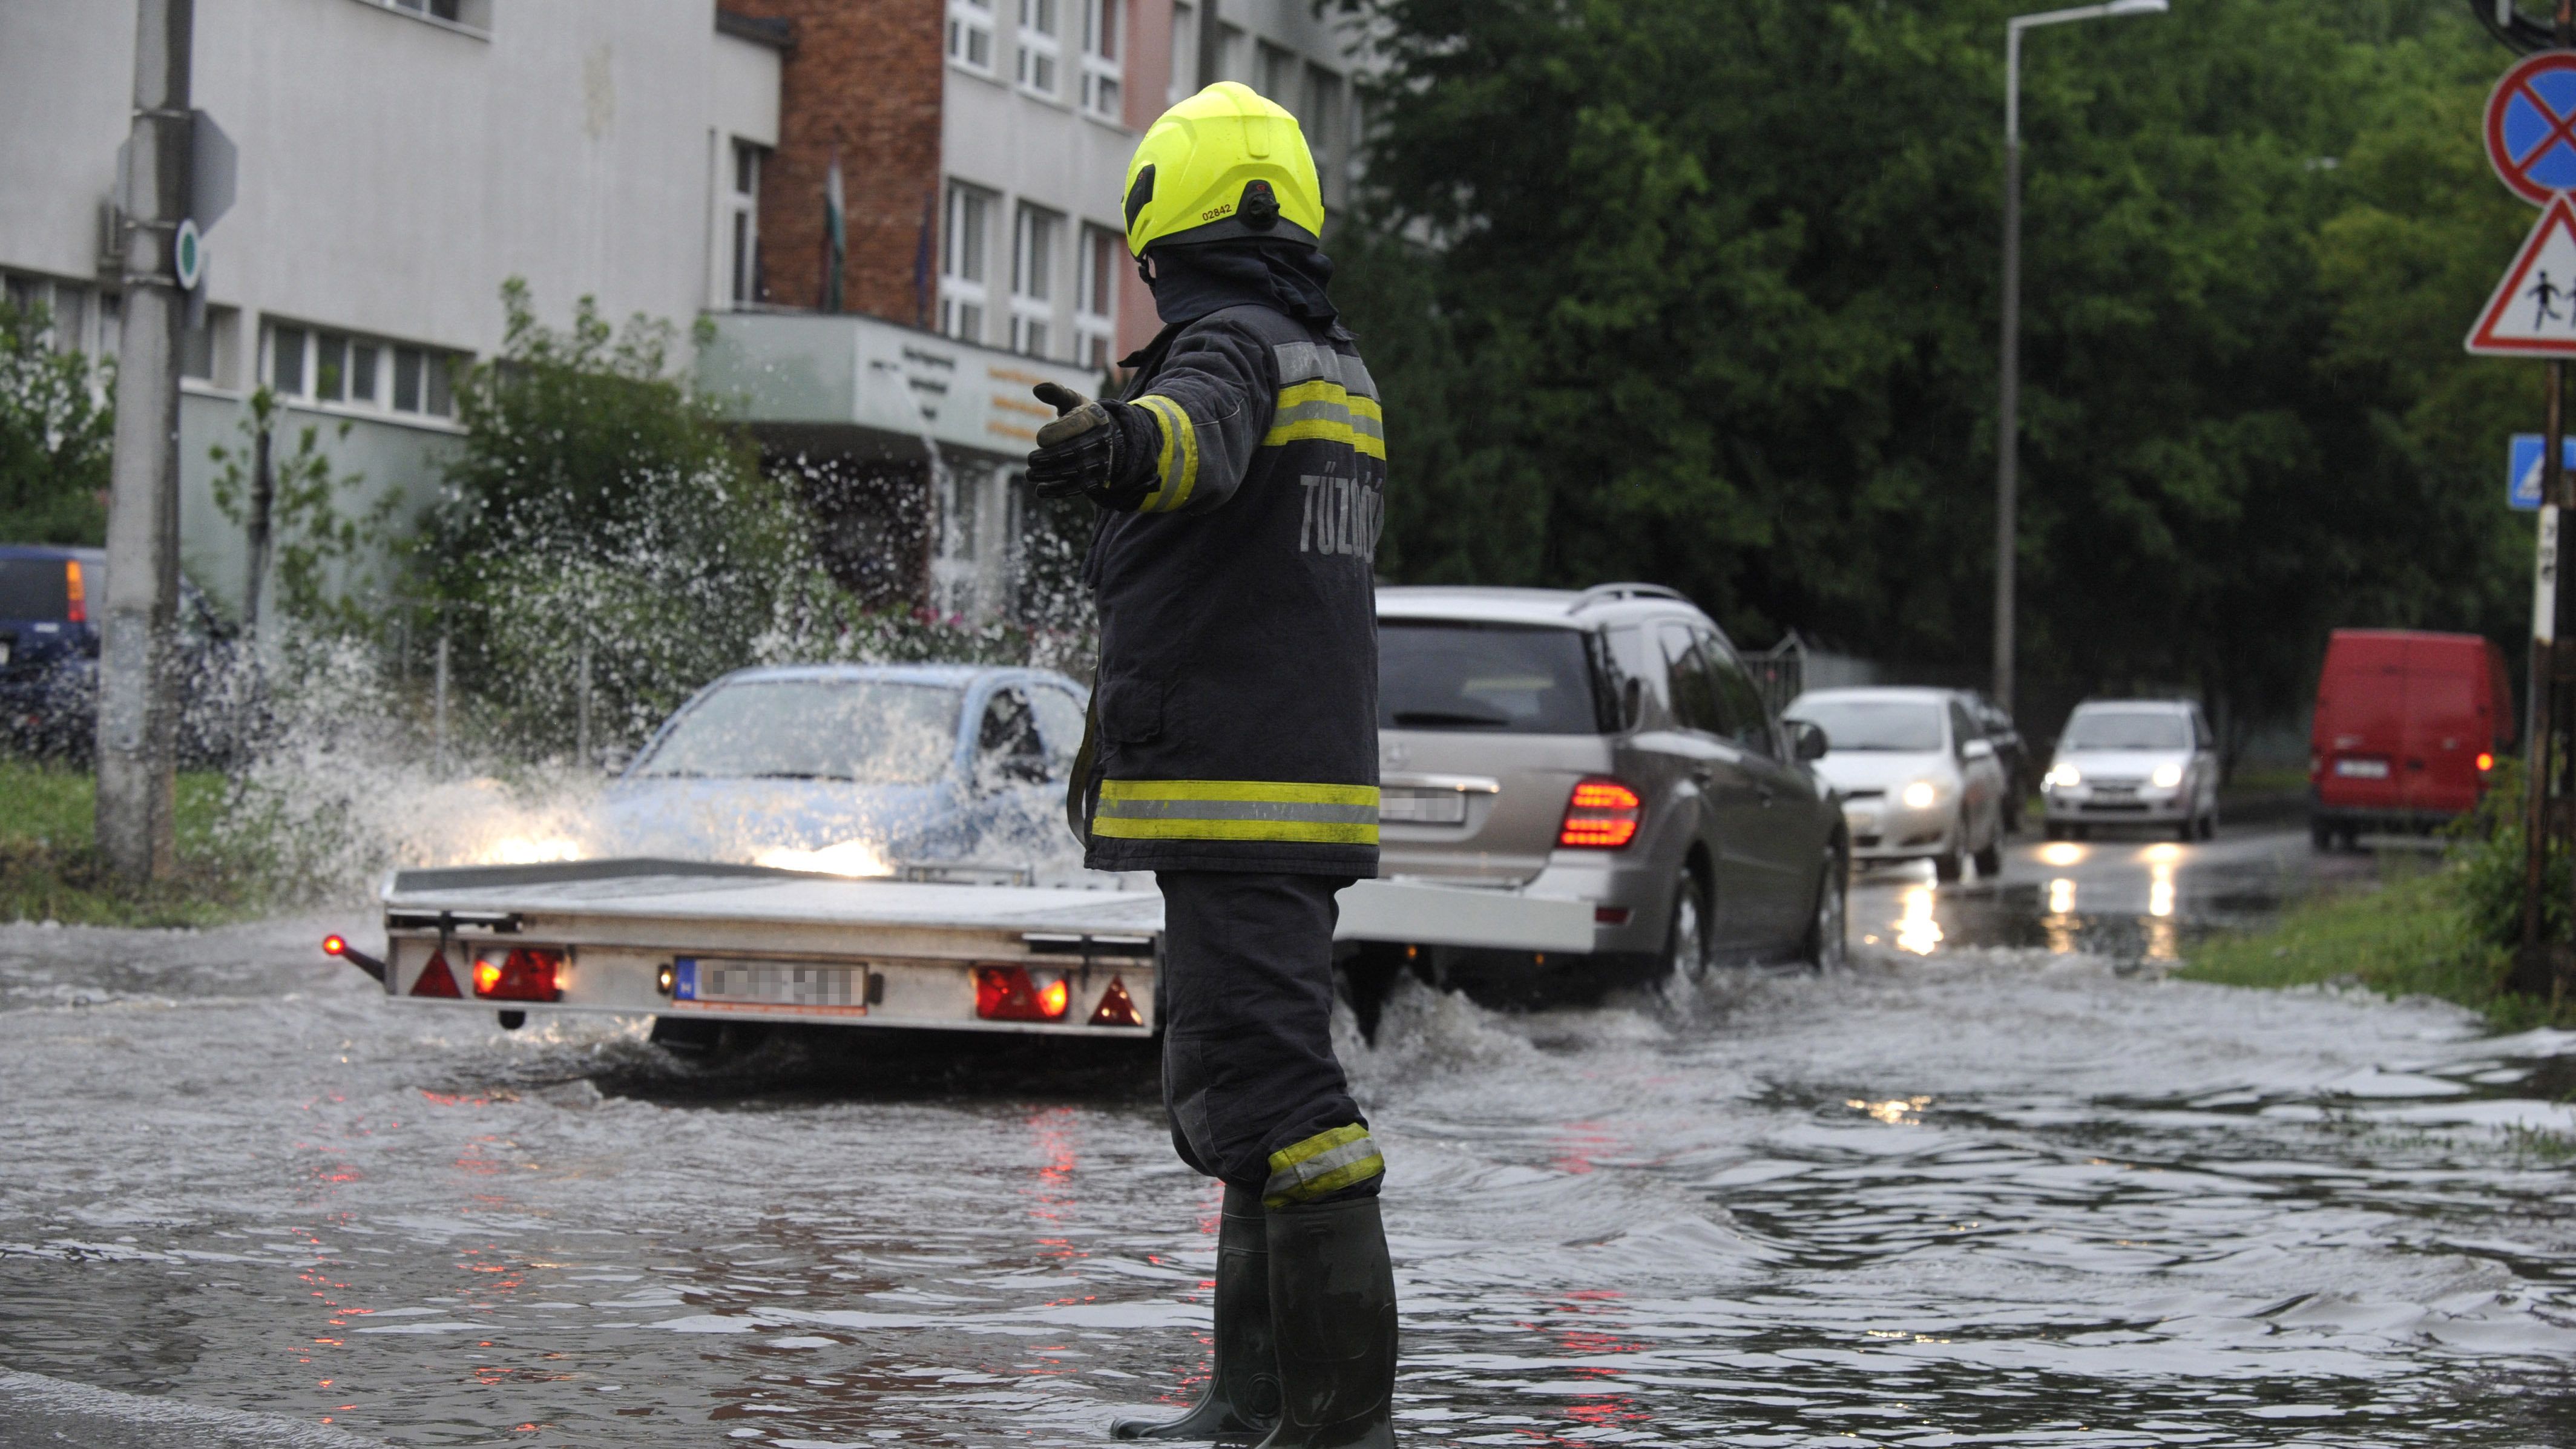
x,y
1918,777
2147,762
1604,746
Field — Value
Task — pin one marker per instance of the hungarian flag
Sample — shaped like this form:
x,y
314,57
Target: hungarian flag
x,y
836,236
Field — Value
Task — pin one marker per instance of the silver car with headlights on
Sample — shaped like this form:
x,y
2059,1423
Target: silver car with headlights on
x,y
2149,762
1918,777
1605,746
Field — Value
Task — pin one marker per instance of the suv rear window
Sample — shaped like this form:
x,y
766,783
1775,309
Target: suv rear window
x,y
1489,678
37,588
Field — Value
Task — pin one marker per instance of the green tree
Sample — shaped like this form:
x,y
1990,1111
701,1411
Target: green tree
x,y
1705,291
600,507
56,427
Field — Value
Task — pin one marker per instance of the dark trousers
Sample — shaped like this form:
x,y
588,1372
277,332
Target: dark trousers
x,y
1246,1000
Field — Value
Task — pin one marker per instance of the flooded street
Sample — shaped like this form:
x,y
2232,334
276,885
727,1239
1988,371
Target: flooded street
x,y
1998,1182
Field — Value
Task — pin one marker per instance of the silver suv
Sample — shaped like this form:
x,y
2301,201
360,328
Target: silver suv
x,y
1604,746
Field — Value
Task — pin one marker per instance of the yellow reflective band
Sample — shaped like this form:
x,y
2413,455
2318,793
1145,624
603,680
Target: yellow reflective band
x,y
1326,430
1178,467
1284,792
1321,1165
1277,810
1303,832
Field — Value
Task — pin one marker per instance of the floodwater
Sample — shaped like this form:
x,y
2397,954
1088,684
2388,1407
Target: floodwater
x,y
2000,1182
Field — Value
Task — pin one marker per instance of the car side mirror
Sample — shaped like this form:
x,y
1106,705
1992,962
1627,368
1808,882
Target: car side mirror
x,y
1808,741
1978,750
614,760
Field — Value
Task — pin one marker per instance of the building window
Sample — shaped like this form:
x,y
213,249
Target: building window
x,y
1322,119
1095,319
962,264
1278,74
1100,71
742,203
1039,46
286,360
1033,246
1185,42
970,34
304,364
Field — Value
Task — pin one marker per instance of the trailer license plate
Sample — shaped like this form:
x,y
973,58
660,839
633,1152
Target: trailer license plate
x,y
1422,807
767,983
2362,769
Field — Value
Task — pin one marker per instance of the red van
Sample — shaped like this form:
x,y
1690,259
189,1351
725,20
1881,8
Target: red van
x,y
2408,729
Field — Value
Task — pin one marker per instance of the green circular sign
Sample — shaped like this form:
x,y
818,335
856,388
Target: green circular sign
x,y
188,255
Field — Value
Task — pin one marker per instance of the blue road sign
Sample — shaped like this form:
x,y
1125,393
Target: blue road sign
x,y
2522,470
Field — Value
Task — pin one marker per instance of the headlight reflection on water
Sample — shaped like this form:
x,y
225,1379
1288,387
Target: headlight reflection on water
x,y
1916,931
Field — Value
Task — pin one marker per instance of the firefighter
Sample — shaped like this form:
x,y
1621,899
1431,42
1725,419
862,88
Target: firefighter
x,y
1232,748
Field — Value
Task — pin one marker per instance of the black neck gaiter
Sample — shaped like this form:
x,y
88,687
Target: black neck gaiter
x,y
1189,282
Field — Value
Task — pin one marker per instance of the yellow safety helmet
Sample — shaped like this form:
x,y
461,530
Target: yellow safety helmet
x,y
1227,162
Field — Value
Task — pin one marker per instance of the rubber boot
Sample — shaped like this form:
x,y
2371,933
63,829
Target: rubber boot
x,y
1241,1400
1332,1297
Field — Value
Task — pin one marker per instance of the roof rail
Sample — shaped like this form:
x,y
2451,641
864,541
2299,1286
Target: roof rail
x,y
1604,593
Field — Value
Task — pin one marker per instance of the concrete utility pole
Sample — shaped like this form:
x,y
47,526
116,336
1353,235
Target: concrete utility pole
x,y
2008,402
137,719
1211,45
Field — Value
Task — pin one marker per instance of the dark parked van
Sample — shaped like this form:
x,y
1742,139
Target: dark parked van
x,y
2407,732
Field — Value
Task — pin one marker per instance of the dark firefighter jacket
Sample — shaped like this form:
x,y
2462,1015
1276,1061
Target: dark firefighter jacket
x,y
1235,713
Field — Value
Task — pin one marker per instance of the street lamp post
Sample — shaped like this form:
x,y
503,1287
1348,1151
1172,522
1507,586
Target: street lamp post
x,y
2008,410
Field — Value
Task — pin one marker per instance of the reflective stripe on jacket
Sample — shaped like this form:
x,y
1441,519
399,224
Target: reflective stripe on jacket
x,y
1236,708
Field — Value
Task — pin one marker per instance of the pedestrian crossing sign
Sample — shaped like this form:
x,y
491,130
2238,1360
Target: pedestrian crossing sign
x,y
2533,311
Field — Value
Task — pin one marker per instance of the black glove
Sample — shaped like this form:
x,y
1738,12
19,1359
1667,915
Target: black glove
x,y
1078,452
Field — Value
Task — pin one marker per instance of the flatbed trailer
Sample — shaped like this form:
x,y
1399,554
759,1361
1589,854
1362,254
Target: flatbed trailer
x,y
733,943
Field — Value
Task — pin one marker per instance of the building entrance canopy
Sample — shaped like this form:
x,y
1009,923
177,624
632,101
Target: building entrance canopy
x,y
815,373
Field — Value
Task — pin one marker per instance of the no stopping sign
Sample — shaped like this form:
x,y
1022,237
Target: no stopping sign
x,y
2531,126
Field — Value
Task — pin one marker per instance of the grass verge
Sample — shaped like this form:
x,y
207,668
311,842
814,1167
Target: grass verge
x,y
50,868
2417,935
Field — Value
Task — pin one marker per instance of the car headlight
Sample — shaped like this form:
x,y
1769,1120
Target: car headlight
x,y
1920,795
2065,776
2166,777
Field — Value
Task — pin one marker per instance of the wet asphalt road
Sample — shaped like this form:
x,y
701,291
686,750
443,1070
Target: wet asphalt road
x,y
2000,1181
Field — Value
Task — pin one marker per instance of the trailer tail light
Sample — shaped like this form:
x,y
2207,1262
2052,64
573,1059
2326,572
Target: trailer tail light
x,y
522,975
2486,761
1602,815
1116,1008
1009,993
436,979
76,591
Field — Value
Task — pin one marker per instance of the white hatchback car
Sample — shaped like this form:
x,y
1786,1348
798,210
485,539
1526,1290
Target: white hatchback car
x,y
1918,779
2134,762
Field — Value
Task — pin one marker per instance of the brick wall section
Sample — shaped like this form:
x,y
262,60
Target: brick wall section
x,y
865,77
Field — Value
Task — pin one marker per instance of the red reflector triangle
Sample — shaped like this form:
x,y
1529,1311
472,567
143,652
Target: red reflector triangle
x,y
435,979
1116,1008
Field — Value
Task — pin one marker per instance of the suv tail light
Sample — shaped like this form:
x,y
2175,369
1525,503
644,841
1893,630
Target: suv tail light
x,y
1602,815
76,591
523,975
1009,993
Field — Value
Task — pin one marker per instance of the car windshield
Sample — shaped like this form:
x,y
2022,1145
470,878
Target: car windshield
x,y
2127,729
865,730
1909,725
1500,679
